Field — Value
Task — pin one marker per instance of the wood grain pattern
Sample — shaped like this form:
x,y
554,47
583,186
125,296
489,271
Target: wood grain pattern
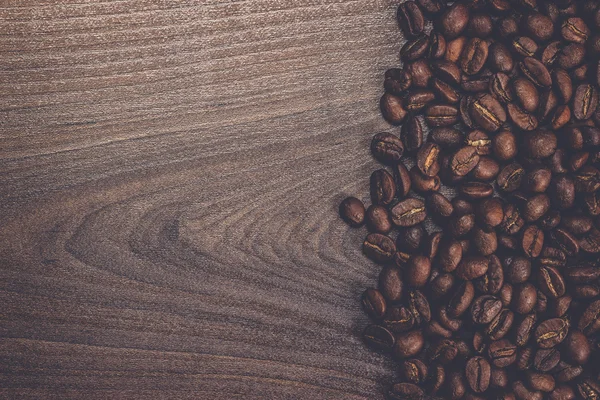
x,y
169,178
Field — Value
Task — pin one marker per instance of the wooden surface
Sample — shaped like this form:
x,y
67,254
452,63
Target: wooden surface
x,y
169,179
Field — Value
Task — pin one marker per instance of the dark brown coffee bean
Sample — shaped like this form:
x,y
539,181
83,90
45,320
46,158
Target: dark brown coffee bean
x,y
548,103
564,372
397,81
563,85
512,221
551,52
489,213
454,48
437,46
491,282
575,30
523,393
387,148
423,183
550,220
487,112
427,159
408,212
441,115
546,359
476,83
501,88
443,351
585,101
398,319
410,239
414,371
392,109
417,271
450,255
591,204
435,330
539,381
383,187
447,138
521,118
390,283
374,303
437,378
590,242
484,243
533,241
551,282
446,93
412,134
405,391
498,378
480,140
510,177
506,26
586,291
415,48
563,190
577,348
589,323
410,18
524,298
441,285
524,329
551,332
480,25
461,225
420,73
504,146
540,144
461,299
536,72
379,248
439,205
485,308
486,170
478,373
408,344
499,58
517,269
474,56
502,353
565,241
472,267
464,160
536,207
524,46
559,307
352,212
431,6
464,111
537,180
379,338
378,219
418,99
419,306
456,386
476,190
454,20
562,392
539,26
526,94
542,302
500,325
402,179
589,389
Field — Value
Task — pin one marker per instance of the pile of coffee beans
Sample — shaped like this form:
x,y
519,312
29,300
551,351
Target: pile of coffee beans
x,y
497,103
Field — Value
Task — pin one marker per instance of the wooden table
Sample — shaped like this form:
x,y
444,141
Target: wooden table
x,y
170,172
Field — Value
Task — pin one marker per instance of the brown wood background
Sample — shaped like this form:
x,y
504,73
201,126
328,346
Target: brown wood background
x,y
170,172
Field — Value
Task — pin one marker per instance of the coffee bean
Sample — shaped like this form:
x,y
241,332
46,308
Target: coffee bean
x,y
564,372
464,160
589,323
537,180
539,381
478,373
551,282
374,303
502,353
476,190
484,243
437,46
585,101
390,283
398,319
414,371
562,392
539,26
456,387
546,359
571,56
408,344
392,109
383,187
500,58
387,148
461,225
523,393
510,177
454,20
352,211
437,379
589,389
485,308
504,146
415,48
563,191
551,332
533,241
378,219
439,205
563,85
441,285
565,241
517,269
379,338
441,115
431,6
480,25
474,56
422,183
418,99
402,179
420,73
447,138
461,299
454,48
536,207
577,348
575,30
500,325
411,238
408,212
397,81
487,112
560,306
410,18
540,144
379,248
526,94
417,271
405,391
450,255
500,87
524,298
521,118
524,46
472,267
489,213
427,159
536,72
419,306
443,351
480,140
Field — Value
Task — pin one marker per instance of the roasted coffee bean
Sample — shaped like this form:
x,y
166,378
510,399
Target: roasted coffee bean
x,y
575,30
474,56
589,389
512,221
464,160
446,92
539,144
454,48
504,146
352,211
546,359
443,351
410,239
551,332
486,170
414,371
491,282
524,329
374,303
500,58
435,329
507,26
441,115
524,46
478,373
439,205
502,353
408,212
419,306
582,274
563,191
437,46
441,285
498,378
524,298
564,372
480,25
412,134
559,307
550,220
417,271
383,187
378,219
551,282
526,94
472,267
427,159
420,73
476,190
390,283
539,381
476,83
521,118
536,72
437,378
418,99
500,325
484,243
585,101
415,48
487,112
489,213
542,302
408,344
397,81
405,391
387,148
480,140
539,26
461,299
589,323
562,392
522,392
431,6
402,179
398,319
571,56
535,207
537,180
517,269
392,109
485,308
510,177
456,386
577,348
450,255
590,242
447,138
563,85
533,241
454,20
565,241
422,183
379,338
410,18
379,248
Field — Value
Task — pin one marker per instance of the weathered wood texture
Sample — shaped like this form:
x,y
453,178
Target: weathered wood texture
x,y
170,172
